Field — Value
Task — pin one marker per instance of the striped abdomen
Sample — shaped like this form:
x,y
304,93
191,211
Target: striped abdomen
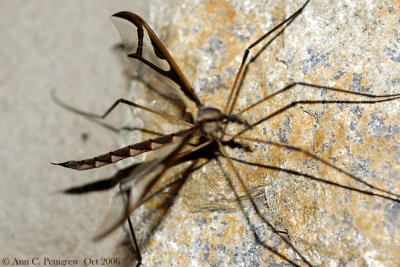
x,y
125,152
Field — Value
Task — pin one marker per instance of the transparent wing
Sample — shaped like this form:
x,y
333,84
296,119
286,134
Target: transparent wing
x,y
134,189
146,51
127,199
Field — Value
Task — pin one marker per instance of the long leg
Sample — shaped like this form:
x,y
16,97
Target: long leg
x,y
137,250
297,149
114,105
311,177
136,246
247,51
242,183
310,102
320,87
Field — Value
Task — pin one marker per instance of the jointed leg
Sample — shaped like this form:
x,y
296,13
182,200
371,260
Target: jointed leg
x,y
297,149
137,251
320,87
287,242
247,51
114,105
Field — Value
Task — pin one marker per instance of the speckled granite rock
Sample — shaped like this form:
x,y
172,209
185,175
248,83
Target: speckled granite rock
x,y
351,45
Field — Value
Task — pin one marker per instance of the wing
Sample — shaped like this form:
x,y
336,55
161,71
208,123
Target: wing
x,y
142,45
135,189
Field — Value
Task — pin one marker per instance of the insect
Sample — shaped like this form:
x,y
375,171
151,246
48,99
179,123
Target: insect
x,y
194,113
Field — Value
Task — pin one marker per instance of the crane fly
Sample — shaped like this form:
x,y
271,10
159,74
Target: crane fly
x,y
207,126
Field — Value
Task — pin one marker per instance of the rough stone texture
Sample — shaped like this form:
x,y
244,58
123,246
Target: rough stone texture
x,y
351,45
67,46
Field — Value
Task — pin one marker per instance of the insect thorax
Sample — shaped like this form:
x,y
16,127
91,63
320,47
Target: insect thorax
x,y
209,119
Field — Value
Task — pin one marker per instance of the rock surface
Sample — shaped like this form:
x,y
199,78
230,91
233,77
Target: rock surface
x,y
350,45
353,45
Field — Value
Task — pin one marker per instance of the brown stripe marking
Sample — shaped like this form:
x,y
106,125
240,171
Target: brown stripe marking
x,y
125,152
